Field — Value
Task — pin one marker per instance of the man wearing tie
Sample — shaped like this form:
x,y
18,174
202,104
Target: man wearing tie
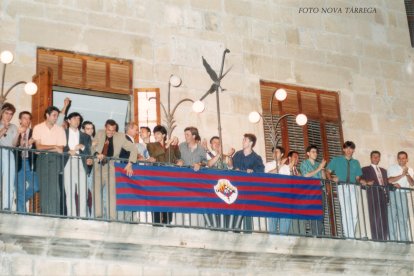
x,y
378,197
109,144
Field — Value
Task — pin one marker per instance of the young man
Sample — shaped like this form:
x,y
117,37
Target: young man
x,y
192,153
8,138
293,161
75,166
312,168
145,135
25,163
348,172
50,137
246,159
401,176
89,128
217,160
378,197
109,144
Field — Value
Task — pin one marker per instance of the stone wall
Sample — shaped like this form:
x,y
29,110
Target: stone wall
x,y
31,245
366,57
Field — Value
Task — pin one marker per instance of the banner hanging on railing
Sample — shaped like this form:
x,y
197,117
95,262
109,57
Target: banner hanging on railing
x,y
208,191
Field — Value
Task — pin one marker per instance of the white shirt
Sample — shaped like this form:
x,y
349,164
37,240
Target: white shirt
x,y
73,140
270,166
396,170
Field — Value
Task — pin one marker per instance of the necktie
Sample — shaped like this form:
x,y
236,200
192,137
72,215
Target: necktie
x,y
105,152
24,144
348,171
295,171
379,175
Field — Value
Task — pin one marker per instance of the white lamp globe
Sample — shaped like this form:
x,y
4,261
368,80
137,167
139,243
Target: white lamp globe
x,y
30,88
301,119
198,106
254,117
281,94
175,81
6,57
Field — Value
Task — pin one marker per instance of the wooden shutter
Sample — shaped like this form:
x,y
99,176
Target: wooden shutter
x,y
87,72
43,98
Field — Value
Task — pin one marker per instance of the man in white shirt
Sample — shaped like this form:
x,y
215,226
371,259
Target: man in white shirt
x,y
401,177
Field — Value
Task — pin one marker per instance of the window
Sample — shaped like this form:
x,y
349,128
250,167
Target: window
x,y
148,102
324,121
409,9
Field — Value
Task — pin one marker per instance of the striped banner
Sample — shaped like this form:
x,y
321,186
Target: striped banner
x,y
208,191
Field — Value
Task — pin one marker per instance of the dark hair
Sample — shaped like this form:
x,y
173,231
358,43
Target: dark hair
x,y
292,152
111,123
8,106
161,129
74,114
50,109
194,131
310,147
374,152
214,137
402,152
251,137
348,144
281,149
25,113
89,123
147,128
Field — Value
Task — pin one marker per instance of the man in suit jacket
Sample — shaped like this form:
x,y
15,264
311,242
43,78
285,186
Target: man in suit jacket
x,y
25,163
75,165
109,144
378,197
131,131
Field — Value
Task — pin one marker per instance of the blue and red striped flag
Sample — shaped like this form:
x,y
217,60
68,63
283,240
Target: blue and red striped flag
x,y
208,191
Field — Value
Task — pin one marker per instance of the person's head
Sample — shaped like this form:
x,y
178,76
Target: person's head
x,y
312,152
402,158
215,143
74,120
25,119
110,128
191,135
51,114
89,128
348,148
160,133
375,157
278,152
249,141
131,129
144,133
7,112
293,155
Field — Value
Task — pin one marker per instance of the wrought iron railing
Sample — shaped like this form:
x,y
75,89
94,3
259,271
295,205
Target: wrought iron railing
x,y
350,211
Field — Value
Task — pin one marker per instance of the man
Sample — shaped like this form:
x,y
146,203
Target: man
x,y
109,144
75,166
50,137
293,161
278,166
401,177
312,168
145,134
192,153
8,138
249,161
348,172
27,179
378,197
217,160
131,131
246,159
89,128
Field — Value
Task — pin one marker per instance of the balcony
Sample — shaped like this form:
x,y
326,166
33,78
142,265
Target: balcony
x,y
202,244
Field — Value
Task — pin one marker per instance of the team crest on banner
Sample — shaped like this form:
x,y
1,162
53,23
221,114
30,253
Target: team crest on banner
x,y
226,191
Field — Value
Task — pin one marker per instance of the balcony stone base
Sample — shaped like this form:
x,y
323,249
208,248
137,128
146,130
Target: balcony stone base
x,y
33,245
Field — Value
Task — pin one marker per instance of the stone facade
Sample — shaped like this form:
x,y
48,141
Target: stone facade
x,y
367,57
31,245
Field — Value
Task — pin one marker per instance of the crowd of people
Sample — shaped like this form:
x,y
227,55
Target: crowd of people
x,y
85,174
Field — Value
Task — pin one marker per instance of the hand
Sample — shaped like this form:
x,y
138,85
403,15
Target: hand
x,y
322,165
231,152
72,152
128,169
89,162
204,144
249,170
370,183
197,166
405,171
79,147
31,141
335,178
180,163
151,159
396,185
100,156
58,149
22,130
66,101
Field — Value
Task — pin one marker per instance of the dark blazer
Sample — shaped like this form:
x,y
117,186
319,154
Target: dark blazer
x,y
368,173
85,140
32,156
124,153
